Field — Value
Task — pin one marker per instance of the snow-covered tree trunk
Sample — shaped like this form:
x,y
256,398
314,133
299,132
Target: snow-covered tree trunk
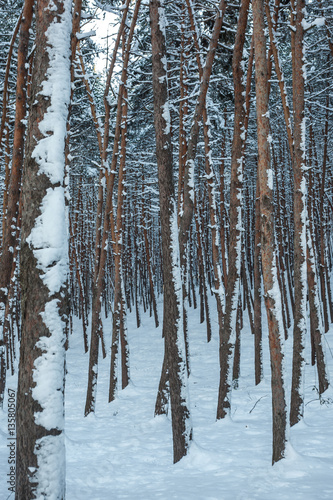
x,y
300,189
188,195
268,254
315,316
149,260
215,234
279,74
172,318
188,201
44,263
102,240
228,331
119,308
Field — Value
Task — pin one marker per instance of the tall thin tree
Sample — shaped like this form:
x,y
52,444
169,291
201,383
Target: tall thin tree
x,y
172,317
44,263
271,285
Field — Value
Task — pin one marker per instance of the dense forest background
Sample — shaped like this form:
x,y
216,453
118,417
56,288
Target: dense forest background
x,y
197,172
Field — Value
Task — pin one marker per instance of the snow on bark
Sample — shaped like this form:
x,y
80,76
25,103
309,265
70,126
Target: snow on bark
x,y
48,239
49,242
50,473
48,374
218,288
300,216
49,152
167,118
177,281
228,328
173,310
268,252
318,22
190,183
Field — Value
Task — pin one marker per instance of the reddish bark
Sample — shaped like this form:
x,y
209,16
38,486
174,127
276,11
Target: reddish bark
x,y
9,235
12,202
272,292
175,355
34,429
119,308
228,329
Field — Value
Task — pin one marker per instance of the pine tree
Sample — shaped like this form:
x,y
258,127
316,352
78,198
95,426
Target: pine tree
x,y
44,264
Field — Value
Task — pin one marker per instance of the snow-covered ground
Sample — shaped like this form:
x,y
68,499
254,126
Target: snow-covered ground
x,y
124,452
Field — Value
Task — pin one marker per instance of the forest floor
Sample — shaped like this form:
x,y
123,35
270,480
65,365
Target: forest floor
x,y
122,451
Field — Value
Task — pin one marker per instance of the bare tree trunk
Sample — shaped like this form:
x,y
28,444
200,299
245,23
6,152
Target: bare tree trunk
x,y
188,199
119,309
315,317
228,331
282,86
203,273
324,292
271,287
215,234
223,213
149,267
12,208
102,240
258,368
187,215
172,318
44,264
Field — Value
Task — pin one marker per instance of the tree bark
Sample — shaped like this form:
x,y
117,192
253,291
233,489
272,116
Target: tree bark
x,y
271,287
300,217
119,309
228,330
102,239
44,264
12,208
172,317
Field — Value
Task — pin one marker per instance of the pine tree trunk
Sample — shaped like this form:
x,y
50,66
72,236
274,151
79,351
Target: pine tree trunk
x,y
102,231
119,309
258,365
271,287
228,329
315,317
300,216
44,264
172,318
12,204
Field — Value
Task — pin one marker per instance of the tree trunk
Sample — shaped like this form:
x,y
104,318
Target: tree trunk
x,y
172,317
119,309
102,240
44,264
315,317
228,330
271,287
300,216
12,205
258,368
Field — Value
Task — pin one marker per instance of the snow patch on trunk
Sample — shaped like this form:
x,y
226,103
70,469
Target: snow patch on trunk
x,y
49,243
183,376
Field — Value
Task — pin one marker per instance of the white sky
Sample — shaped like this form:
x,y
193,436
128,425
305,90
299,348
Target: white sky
x,y
103,25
